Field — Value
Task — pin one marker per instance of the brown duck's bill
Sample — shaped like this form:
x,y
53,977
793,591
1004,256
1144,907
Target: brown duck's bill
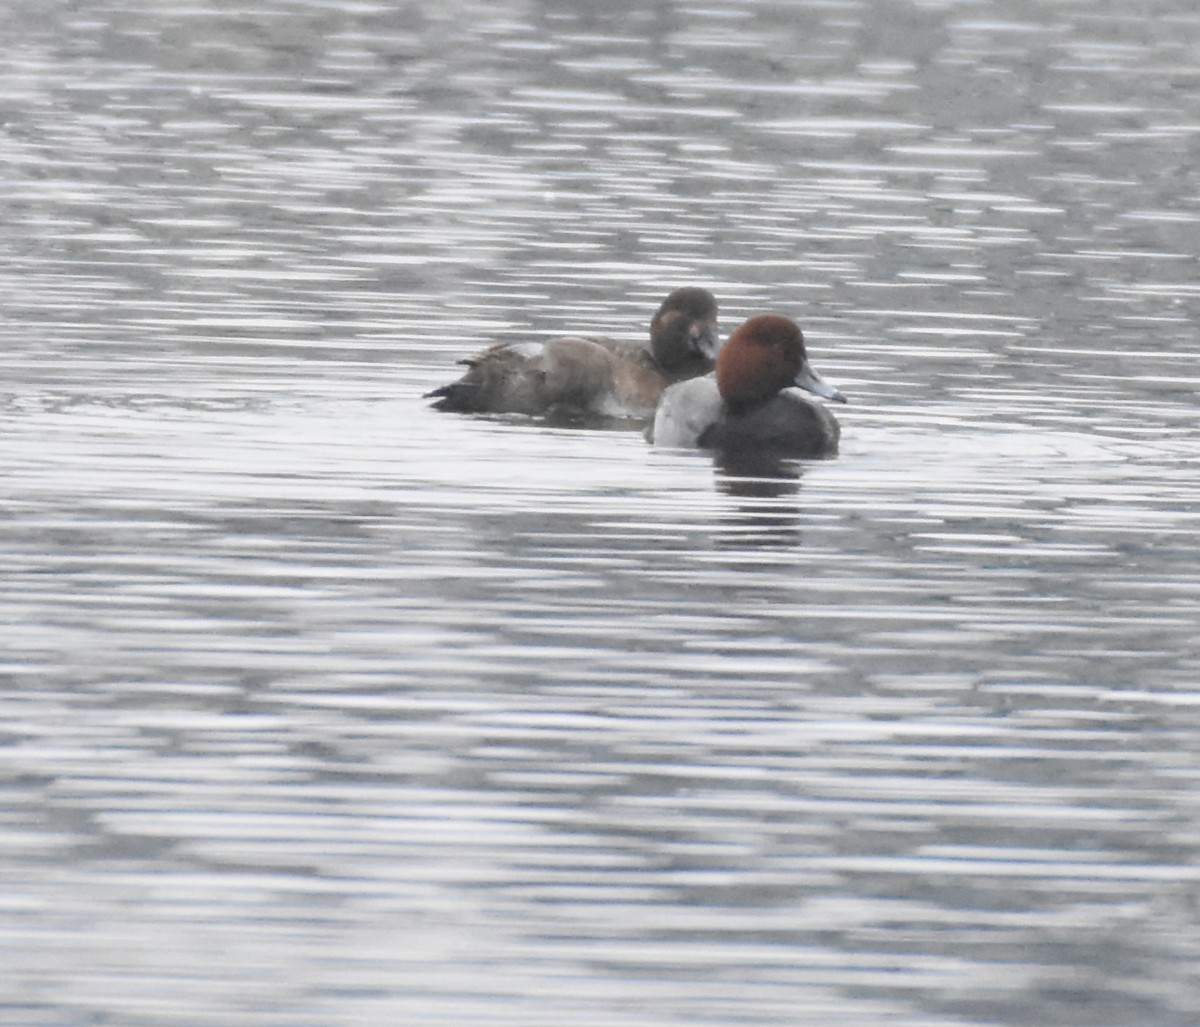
x,y
702,339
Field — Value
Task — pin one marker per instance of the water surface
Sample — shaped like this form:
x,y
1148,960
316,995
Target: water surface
x,y
322,708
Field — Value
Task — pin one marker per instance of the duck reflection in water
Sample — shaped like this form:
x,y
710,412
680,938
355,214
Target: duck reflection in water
x,y
762,484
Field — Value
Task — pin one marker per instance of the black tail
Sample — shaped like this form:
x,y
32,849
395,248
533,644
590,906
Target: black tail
x,y
460,397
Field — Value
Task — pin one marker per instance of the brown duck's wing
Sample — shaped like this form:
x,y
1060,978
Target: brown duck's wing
x,y
531,378
502,379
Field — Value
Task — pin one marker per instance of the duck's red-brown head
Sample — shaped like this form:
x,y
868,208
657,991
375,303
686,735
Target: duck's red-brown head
x,y
763,356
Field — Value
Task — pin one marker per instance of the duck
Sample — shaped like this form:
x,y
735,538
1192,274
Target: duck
x,y
752,403
588,376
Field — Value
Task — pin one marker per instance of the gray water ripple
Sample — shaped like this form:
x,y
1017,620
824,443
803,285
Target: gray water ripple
x,y
321,707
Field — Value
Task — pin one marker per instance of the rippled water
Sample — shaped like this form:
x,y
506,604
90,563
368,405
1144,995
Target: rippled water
x,y
321,708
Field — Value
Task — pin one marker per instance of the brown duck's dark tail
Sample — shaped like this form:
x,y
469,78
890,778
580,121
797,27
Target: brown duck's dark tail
x,y
460,397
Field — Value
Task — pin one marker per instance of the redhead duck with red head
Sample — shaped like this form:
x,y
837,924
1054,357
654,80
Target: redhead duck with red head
x,y
585,376
753,403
